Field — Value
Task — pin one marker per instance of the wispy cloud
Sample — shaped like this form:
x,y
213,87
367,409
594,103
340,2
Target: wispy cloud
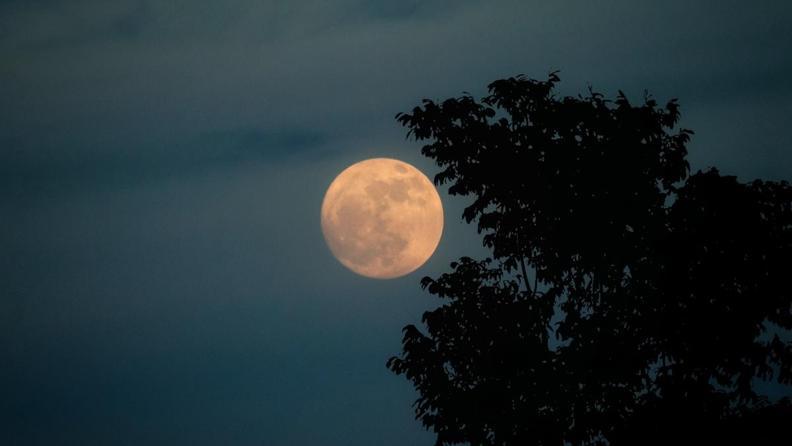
x,y
112,80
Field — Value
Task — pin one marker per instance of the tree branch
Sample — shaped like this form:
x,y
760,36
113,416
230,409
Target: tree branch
x,y
525,277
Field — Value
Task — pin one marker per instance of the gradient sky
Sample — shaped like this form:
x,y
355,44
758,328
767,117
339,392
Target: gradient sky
x,y
163,277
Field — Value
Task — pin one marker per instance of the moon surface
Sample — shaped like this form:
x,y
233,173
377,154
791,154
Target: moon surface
x,y
382,218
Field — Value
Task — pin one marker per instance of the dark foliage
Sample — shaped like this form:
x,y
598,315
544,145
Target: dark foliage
x,y
654,300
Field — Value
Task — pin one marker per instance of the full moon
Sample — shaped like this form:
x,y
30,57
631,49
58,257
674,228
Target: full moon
x,y
382,218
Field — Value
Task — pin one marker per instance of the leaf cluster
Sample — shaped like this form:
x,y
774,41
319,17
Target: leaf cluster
x,y
624,296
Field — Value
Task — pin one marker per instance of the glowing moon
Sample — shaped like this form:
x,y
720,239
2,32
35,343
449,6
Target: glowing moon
x,y
382,218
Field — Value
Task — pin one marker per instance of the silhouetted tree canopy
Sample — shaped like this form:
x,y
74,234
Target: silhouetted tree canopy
x,y
626,302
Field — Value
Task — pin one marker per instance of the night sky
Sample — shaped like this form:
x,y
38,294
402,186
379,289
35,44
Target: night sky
x,y
163,277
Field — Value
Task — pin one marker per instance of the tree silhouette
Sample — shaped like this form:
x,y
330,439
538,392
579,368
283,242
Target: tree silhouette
x,y
655,298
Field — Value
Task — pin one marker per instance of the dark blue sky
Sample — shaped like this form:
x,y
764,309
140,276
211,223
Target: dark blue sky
x,y
163,277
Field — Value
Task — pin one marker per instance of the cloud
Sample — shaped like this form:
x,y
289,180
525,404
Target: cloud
x,y
272,144
95,90
32,168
